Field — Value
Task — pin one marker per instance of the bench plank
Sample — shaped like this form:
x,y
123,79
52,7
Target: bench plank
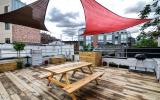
x,y
75,86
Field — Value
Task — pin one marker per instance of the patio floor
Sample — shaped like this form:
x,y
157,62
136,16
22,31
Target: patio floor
x,y
116,84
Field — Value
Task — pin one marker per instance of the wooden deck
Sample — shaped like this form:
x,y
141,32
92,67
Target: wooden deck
x,y
116,84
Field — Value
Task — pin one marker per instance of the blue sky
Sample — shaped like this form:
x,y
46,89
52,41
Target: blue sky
x,y
67,16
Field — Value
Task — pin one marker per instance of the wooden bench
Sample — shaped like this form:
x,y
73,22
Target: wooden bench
x,y
71,88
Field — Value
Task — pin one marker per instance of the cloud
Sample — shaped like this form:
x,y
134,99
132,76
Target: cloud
x,y
68,22
136,8
70,31
64,20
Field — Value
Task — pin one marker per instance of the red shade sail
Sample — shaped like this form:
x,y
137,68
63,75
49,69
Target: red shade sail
x,y
101,20
32,15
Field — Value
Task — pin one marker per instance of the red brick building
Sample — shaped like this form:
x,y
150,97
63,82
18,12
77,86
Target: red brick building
x,y
25,34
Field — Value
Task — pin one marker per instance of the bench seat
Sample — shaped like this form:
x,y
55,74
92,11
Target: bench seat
x,y
75,86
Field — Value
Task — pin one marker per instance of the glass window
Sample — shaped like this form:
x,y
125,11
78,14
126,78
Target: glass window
x,y
88,40
81,38
116,34
123,38
116,42
7,40
109,37
100,37
5,9
7,26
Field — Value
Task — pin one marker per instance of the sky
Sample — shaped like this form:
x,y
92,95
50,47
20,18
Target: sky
x,y
65,17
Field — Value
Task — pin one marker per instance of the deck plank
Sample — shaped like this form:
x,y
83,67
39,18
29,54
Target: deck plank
x,y
37,85
4,93
115,84
30,92
15,97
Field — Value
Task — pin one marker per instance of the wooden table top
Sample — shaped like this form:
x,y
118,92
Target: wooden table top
x,y
59,69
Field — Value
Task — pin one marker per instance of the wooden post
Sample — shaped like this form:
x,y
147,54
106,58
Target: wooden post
x,y
66,78
73,96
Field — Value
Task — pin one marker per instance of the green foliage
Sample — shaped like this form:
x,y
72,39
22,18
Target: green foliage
x,y
153,8
146,42
18,46
88,47
112,64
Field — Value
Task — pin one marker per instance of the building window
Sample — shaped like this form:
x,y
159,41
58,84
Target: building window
x,y
100,38
81,38
88,40
116,42
7,40
109,38
7,26
6,9
123,38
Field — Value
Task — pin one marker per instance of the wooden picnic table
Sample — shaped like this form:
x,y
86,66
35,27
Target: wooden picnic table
x,y
64,69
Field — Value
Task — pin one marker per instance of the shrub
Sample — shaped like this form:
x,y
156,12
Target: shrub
x,y
112,64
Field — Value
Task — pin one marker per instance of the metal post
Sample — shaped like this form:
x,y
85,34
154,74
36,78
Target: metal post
x,y
61,44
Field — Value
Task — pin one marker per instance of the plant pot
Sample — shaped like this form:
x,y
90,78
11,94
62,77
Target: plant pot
x,y
19,64
27,65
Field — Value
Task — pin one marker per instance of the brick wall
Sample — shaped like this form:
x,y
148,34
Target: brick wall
x,y
25,34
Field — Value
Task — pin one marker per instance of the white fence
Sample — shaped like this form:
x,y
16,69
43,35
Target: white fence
x,y
7,51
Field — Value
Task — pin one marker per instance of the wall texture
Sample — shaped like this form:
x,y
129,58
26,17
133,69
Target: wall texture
x,y
25,34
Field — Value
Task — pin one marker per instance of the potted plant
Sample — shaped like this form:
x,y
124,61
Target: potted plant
x,y
18,46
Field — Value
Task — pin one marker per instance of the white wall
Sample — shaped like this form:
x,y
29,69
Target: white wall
x,y
7,51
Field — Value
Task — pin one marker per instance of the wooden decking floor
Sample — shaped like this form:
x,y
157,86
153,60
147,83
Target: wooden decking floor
x,y
116,84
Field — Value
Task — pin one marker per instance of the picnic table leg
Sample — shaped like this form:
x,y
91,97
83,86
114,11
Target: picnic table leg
x,y
91,71
73,96
96,82
66,78
49,81
74,73
61,77
82,70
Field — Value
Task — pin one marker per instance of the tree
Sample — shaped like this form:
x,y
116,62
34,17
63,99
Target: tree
x,y
146,42
19,47
149,9
45,38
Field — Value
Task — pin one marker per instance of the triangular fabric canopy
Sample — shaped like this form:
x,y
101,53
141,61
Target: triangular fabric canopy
x,y
32,15
100,20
